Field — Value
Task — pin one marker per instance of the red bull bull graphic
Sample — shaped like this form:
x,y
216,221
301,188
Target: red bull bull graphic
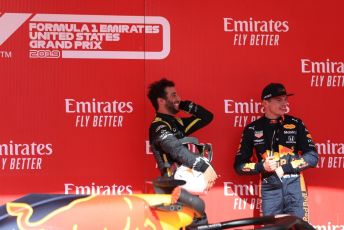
x,y
139,211
146,211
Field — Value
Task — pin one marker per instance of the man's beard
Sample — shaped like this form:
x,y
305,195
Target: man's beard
x,y
170,107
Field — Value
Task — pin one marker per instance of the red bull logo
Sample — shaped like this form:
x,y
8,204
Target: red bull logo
x,y
105,213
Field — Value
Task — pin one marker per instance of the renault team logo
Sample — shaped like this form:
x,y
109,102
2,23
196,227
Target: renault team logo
x,y
90,36
258,134
289,126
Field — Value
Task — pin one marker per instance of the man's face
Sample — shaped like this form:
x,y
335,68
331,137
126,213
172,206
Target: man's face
x,y
276,106
172,100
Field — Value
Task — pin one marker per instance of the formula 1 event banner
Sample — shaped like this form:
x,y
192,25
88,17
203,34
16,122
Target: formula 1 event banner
x,y
74,78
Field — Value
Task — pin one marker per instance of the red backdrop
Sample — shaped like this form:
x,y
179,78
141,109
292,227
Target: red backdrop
x,y
73,91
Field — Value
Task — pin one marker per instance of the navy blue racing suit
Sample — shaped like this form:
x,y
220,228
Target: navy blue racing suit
x,y
288,140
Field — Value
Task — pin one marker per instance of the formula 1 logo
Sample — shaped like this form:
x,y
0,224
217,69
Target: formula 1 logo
x,y
90,36
10,23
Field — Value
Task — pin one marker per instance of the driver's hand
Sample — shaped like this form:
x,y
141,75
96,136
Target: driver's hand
x,y
186,106
270,164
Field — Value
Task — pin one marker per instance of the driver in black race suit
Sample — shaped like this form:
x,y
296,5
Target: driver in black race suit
x,y
166,131
284,148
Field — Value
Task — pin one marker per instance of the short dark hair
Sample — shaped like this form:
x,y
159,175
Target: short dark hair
x,y
157,89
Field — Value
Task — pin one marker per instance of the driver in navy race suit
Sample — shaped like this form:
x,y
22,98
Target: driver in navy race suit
x,y
166,132
284,148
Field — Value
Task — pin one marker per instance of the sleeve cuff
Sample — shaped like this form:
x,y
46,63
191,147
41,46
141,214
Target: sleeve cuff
x,y
259,166
287,168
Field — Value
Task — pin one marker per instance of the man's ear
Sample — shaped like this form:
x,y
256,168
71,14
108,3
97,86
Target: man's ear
x,y
264,103
161,101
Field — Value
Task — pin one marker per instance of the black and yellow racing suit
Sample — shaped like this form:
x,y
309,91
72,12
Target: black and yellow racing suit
x,y
165,133
165,136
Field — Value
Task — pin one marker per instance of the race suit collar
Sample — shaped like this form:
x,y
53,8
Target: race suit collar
x,y
274,121
165,116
